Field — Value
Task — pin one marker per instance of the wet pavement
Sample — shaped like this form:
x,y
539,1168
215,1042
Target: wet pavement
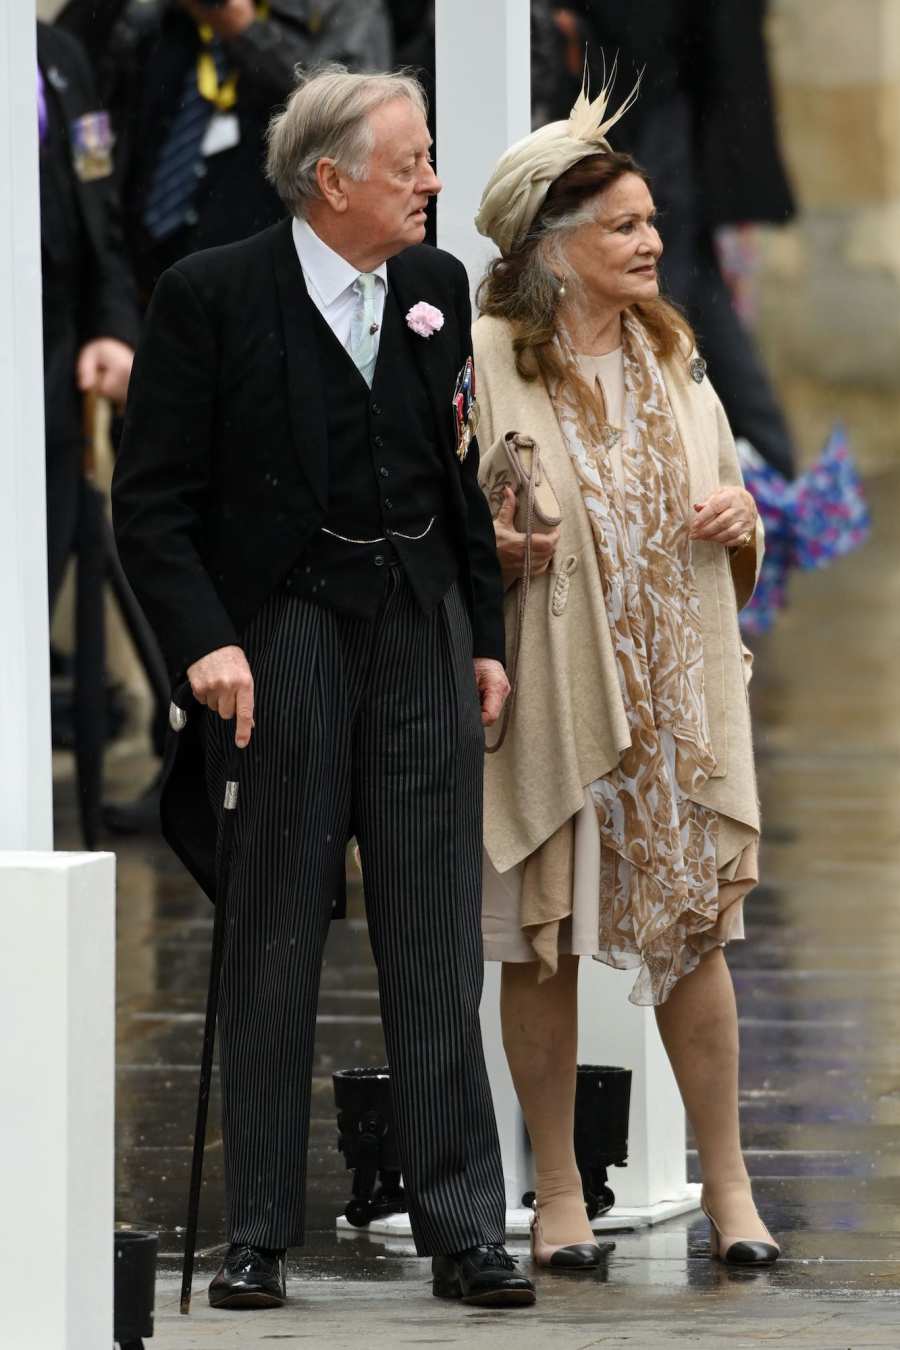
x,y
819,995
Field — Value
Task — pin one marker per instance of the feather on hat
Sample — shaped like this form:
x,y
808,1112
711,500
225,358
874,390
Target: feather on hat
x,y
522,177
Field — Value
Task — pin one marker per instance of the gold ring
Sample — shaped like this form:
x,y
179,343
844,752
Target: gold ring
x,y
746,539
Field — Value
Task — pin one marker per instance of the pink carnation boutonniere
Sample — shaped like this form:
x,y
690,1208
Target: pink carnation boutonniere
x,y
424,319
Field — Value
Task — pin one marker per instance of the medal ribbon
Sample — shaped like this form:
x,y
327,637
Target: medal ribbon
x,y
222,95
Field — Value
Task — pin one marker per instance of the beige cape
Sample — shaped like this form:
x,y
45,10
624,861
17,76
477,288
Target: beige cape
x,y
569,724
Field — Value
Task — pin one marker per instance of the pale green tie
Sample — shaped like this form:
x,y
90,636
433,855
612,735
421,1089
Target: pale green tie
x,y
363,327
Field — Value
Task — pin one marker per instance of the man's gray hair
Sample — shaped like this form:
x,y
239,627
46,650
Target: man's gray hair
x,y
327,117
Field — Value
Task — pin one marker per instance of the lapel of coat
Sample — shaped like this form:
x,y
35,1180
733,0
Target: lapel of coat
x,y
410,284
301,364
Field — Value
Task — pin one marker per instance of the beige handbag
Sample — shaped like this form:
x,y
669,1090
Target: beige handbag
x,y
536,502
530,482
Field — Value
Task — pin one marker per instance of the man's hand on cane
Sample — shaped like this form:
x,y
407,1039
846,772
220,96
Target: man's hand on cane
x,y
223,683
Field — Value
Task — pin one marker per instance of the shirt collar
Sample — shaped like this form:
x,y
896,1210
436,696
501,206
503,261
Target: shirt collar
x,y
329,272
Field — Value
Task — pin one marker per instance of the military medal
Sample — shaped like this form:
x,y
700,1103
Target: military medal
x,y
92,143
465,409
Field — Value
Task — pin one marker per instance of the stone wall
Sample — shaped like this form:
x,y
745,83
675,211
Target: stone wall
x,y
830,316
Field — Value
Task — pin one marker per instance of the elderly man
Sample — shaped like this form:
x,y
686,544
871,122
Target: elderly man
x,y
297,506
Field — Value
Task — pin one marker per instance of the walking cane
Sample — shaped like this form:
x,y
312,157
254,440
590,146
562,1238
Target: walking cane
x,y
177,720
89,697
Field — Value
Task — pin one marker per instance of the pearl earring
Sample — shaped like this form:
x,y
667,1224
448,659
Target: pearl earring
x,y
562,290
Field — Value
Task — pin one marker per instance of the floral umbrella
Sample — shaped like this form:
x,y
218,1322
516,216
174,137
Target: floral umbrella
x,y
809,522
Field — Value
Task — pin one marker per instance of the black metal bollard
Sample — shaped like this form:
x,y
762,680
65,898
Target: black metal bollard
x,y
135,1287
368,1141
602,1100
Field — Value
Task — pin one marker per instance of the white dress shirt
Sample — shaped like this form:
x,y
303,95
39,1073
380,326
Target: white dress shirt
x,y
330,280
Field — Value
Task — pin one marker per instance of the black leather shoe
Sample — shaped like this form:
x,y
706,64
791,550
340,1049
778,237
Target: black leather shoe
x,y
249,1278
486,1276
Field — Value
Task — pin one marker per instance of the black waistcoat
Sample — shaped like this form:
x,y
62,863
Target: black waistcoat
x,y
386,479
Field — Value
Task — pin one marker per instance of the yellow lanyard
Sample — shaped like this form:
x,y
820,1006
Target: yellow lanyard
x,y
222,96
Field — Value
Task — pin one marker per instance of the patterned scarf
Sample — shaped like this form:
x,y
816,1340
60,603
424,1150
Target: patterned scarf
x,y
659,887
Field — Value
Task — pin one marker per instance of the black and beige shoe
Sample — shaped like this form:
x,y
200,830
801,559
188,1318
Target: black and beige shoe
x,y
249,1277
486,1276
740,1251
562,1255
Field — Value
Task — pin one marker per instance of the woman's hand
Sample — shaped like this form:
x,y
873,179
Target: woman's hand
x,y
511,544
727,517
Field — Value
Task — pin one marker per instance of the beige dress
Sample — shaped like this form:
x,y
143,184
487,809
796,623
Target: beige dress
x,y
570,861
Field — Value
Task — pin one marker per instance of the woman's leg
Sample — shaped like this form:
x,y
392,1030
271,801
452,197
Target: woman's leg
x,y
540,1036
699,1028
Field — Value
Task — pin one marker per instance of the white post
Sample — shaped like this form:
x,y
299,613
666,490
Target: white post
x,y
57,1000
483,84
57,911
26,803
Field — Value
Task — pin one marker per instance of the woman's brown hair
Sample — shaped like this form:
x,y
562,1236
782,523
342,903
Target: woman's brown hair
x,y
523,288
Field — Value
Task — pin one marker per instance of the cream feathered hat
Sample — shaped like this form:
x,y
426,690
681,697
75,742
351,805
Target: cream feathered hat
x,y
522,177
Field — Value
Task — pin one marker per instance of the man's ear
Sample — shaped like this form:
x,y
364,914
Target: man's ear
x,y
330,182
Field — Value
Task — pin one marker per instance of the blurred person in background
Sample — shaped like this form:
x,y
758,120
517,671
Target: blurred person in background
x,y
621,812
90,313
704,129
192,85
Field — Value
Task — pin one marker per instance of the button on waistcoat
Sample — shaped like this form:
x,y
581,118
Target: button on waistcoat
x,y
386,480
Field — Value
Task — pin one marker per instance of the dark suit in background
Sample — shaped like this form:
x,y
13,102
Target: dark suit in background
x,y
265,496
704,129
87,287
146,55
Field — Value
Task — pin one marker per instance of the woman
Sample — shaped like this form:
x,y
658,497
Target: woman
x,y
621,811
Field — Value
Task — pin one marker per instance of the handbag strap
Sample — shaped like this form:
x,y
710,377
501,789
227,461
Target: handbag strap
x,y
524,587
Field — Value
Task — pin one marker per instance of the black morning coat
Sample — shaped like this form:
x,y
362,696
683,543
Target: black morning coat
x,y
222,477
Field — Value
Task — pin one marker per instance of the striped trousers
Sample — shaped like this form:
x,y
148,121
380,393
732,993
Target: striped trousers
x,y
369,728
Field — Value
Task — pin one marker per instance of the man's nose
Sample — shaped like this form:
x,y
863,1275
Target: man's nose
x,y
431,184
